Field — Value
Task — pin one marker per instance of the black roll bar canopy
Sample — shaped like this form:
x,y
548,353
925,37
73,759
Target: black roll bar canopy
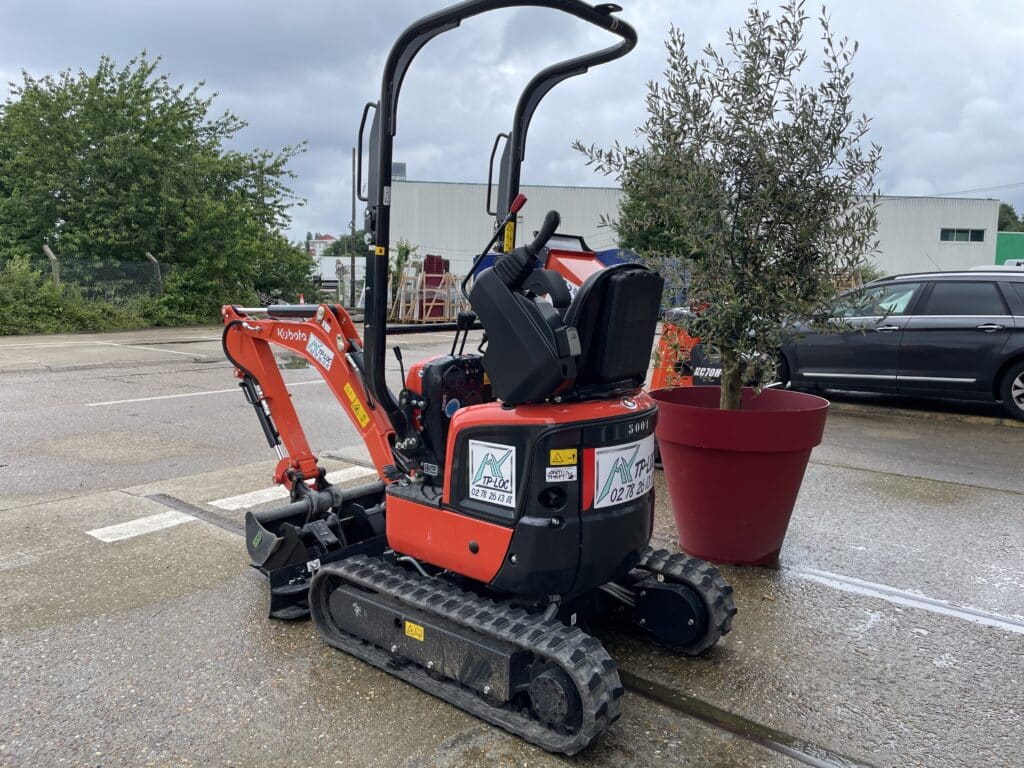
x,y
384,128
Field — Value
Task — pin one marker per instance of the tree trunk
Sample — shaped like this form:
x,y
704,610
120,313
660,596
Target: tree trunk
x,y
732,383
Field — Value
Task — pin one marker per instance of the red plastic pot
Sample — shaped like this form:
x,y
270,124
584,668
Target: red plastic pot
x,y
733,476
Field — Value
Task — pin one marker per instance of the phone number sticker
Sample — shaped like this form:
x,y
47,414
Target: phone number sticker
x,y
623,472
492,473
320,352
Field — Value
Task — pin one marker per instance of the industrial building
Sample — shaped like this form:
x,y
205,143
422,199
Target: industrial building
x,y
450,220
914,233
923,234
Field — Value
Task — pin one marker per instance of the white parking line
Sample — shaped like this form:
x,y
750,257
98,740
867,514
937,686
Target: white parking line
x,y
254,498
191,394
140,526
151,349
909,599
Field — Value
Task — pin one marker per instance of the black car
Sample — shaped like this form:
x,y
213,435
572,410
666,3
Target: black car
x,y
935,334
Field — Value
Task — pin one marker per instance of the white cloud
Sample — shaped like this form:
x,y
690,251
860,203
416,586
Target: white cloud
x,y
940,78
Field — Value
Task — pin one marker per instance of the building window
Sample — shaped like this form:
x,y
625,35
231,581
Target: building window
x,y
962,235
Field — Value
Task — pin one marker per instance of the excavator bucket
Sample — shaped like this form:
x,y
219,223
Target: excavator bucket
x,y
288,544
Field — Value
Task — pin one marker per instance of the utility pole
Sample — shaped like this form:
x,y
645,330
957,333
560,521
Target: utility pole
x,y
352,231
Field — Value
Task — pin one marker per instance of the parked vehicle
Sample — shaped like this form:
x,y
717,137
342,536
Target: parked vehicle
x,y
935,334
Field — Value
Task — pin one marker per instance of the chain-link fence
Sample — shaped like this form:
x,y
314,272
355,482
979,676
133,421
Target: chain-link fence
x,y
112,280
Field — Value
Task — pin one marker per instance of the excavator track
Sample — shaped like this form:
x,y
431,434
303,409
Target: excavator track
x,y
704,579
477,630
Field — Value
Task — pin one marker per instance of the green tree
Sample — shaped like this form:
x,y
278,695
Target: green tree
x,y
404,251
752,191
346,245
1008,219
108,165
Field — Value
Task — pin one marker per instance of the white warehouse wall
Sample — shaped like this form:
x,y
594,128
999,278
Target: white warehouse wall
x,y
448,219
909,227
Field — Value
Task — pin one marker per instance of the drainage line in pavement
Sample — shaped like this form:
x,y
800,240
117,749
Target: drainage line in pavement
x,y
808,754
784,744
198,512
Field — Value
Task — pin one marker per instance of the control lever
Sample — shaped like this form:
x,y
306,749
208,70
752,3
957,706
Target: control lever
x,y
513,268
513,210
401,365
465,321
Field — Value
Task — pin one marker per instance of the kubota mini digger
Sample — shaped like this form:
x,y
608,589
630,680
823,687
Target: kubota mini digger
x,y
514,503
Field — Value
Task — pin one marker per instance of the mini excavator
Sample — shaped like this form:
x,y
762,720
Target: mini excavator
x,y
514,503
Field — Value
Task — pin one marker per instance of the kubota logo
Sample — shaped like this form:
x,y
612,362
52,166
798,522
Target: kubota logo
x,y
287,334
622,470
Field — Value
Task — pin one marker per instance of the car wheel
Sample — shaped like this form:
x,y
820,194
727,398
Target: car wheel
x,y
1012,390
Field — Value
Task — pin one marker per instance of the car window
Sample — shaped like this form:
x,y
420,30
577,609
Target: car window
x,y
876,301
1020,289
973,298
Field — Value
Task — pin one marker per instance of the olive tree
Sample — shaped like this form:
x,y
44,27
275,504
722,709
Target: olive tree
x,y
752,189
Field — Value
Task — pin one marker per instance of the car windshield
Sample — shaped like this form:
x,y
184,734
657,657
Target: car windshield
x,y
875,301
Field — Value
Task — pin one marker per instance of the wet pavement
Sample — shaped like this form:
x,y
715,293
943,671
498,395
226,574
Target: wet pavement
x,y
890,634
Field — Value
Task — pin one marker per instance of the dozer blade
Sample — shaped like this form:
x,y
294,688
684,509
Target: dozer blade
x,y
548,683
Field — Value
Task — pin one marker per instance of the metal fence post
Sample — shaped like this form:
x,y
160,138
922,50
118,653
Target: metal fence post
x,y
54,265
156,269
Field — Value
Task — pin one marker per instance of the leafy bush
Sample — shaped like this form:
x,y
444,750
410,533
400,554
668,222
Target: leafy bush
x,y
31,303
113,164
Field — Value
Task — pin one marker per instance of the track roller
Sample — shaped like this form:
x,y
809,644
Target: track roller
x,y
550,684
702,603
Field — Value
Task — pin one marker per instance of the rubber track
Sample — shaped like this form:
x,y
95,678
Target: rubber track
x,y
707,581
579,655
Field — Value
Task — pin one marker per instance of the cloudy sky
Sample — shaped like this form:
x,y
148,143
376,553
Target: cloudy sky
x,y
941,79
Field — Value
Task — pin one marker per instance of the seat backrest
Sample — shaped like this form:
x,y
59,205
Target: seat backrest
x,y
615,313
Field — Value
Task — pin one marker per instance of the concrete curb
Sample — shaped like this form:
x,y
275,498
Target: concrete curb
x,y
905,413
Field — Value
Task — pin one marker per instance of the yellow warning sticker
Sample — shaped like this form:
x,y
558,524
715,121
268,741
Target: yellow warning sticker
x,y
510,236
415,631
357,407
562,457
380,250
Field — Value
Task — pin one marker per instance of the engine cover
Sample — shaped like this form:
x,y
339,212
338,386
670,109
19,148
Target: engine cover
x,y
574,482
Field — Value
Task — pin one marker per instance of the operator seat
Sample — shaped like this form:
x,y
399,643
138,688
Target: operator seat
x,y
615,314
602,345
531,353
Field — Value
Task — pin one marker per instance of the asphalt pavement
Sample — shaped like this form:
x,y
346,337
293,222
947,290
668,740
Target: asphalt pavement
x,y
133,632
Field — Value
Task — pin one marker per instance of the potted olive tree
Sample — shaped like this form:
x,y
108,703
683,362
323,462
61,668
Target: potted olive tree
x,y
754,183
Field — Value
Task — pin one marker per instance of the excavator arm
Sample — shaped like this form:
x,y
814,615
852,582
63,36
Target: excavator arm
x,y
325,336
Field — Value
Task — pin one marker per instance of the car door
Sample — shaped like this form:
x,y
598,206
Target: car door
x,y
857,345
952,342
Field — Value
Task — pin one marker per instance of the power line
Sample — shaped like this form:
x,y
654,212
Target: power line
x,y
982,189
